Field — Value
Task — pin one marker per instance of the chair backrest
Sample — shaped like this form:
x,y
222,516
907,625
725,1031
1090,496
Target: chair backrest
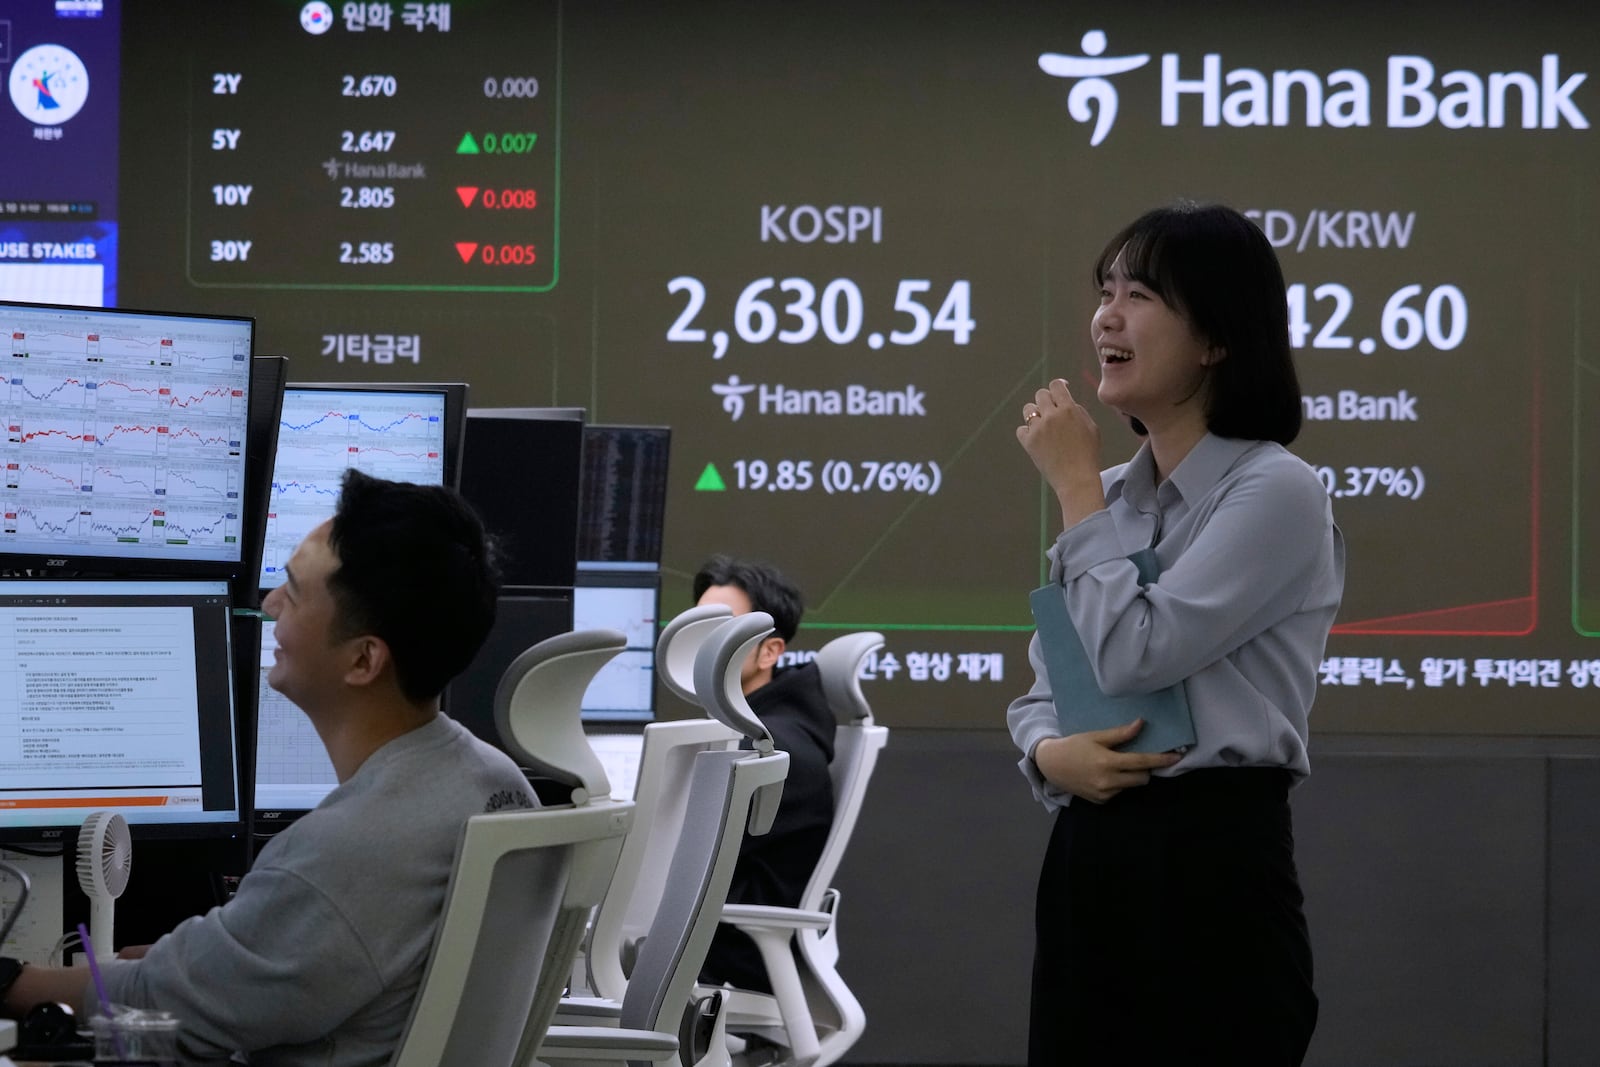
x,y
538,709
666,765
518,899
719,686
680,642
729,790
857,742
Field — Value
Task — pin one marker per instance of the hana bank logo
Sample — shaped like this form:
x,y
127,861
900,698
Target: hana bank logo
x,y
733,392
1093,97
1411,92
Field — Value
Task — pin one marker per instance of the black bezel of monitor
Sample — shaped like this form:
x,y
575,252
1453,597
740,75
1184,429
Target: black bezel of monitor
x,y
218,728
266,409
74,563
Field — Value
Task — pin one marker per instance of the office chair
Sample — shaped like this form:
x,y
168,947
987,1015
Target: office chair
x,y
811,1011
666,764
522,888
539,714
729,790
680,643
538,709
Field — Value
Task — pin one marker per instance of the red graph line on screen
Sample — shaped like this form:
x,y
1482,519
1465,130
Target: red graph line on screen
x,y
1511,617
49,473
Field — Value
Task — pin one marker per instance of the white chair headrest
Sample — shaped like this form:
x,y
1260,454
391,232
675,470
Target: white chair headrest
x,y
538,709
839,662
679,643
716,675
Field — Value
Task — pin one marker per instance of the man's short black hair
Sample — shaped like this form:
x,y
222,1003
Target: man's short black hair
x,y
764,584
417,570
1217,269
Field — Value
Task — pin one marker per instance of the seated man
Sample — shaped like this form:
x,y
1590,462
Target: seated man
x,y
774,868
319,954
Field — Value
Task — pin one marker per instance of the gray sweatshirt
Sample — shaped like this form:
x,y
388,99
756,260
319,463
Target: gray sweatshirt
x,y
319,954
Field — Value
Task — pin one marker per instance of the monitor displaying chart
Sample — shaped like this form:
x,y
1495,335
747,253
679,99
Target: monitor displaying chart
x,y
628,601
401,433
125,438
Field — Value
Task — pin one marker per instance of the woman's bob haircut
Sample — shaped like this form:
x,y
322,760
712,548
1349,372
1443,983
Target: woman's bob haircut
x,y
1214,267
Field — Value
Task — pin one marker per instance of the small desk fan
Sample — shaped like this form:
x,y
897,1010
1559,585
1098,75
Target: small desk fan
x,y
105,859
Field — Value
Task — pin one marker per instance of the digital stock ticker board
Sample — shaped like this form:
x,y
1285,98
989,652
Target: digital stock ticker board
x,y
835,246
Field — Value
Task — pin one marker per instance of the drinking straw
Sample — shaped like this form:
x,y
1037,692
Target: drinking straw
x,y
100,988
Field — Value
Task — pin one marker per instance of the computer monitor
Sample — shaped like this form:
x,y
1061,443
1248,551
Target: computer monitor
x,y
117,695
293,771
619,751
404,432
125,447
623,691
521,620
520,472
623,496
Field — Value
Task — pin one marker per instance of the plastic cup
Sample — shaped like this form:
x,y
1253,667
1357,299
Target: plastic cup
x,y
133,1036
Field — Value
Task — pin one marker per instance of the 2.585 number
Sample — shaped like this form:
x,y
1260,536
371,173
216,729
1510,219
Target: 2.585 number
x,y
366,252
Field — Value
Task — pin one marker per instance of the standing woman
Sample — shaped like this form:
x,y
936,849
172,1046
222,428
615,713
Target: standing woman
x,y
1169,925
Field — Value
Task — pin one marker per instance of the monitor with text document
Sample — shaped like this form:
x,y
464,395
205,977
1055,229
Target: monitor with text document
x,y
117,695
125,440
622,503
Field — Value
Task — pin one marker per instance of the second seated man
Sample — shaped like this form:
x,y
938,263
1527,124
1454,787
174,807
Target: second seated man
x,y
773,869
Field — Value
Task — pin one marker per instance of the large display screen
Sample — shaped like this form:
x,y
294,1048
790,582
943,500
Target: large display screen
x,y
59,135
835,246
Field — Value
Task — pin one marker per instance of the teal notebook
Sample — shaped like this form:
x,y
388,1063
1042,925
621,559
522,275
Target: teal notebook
x,y
1080,704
